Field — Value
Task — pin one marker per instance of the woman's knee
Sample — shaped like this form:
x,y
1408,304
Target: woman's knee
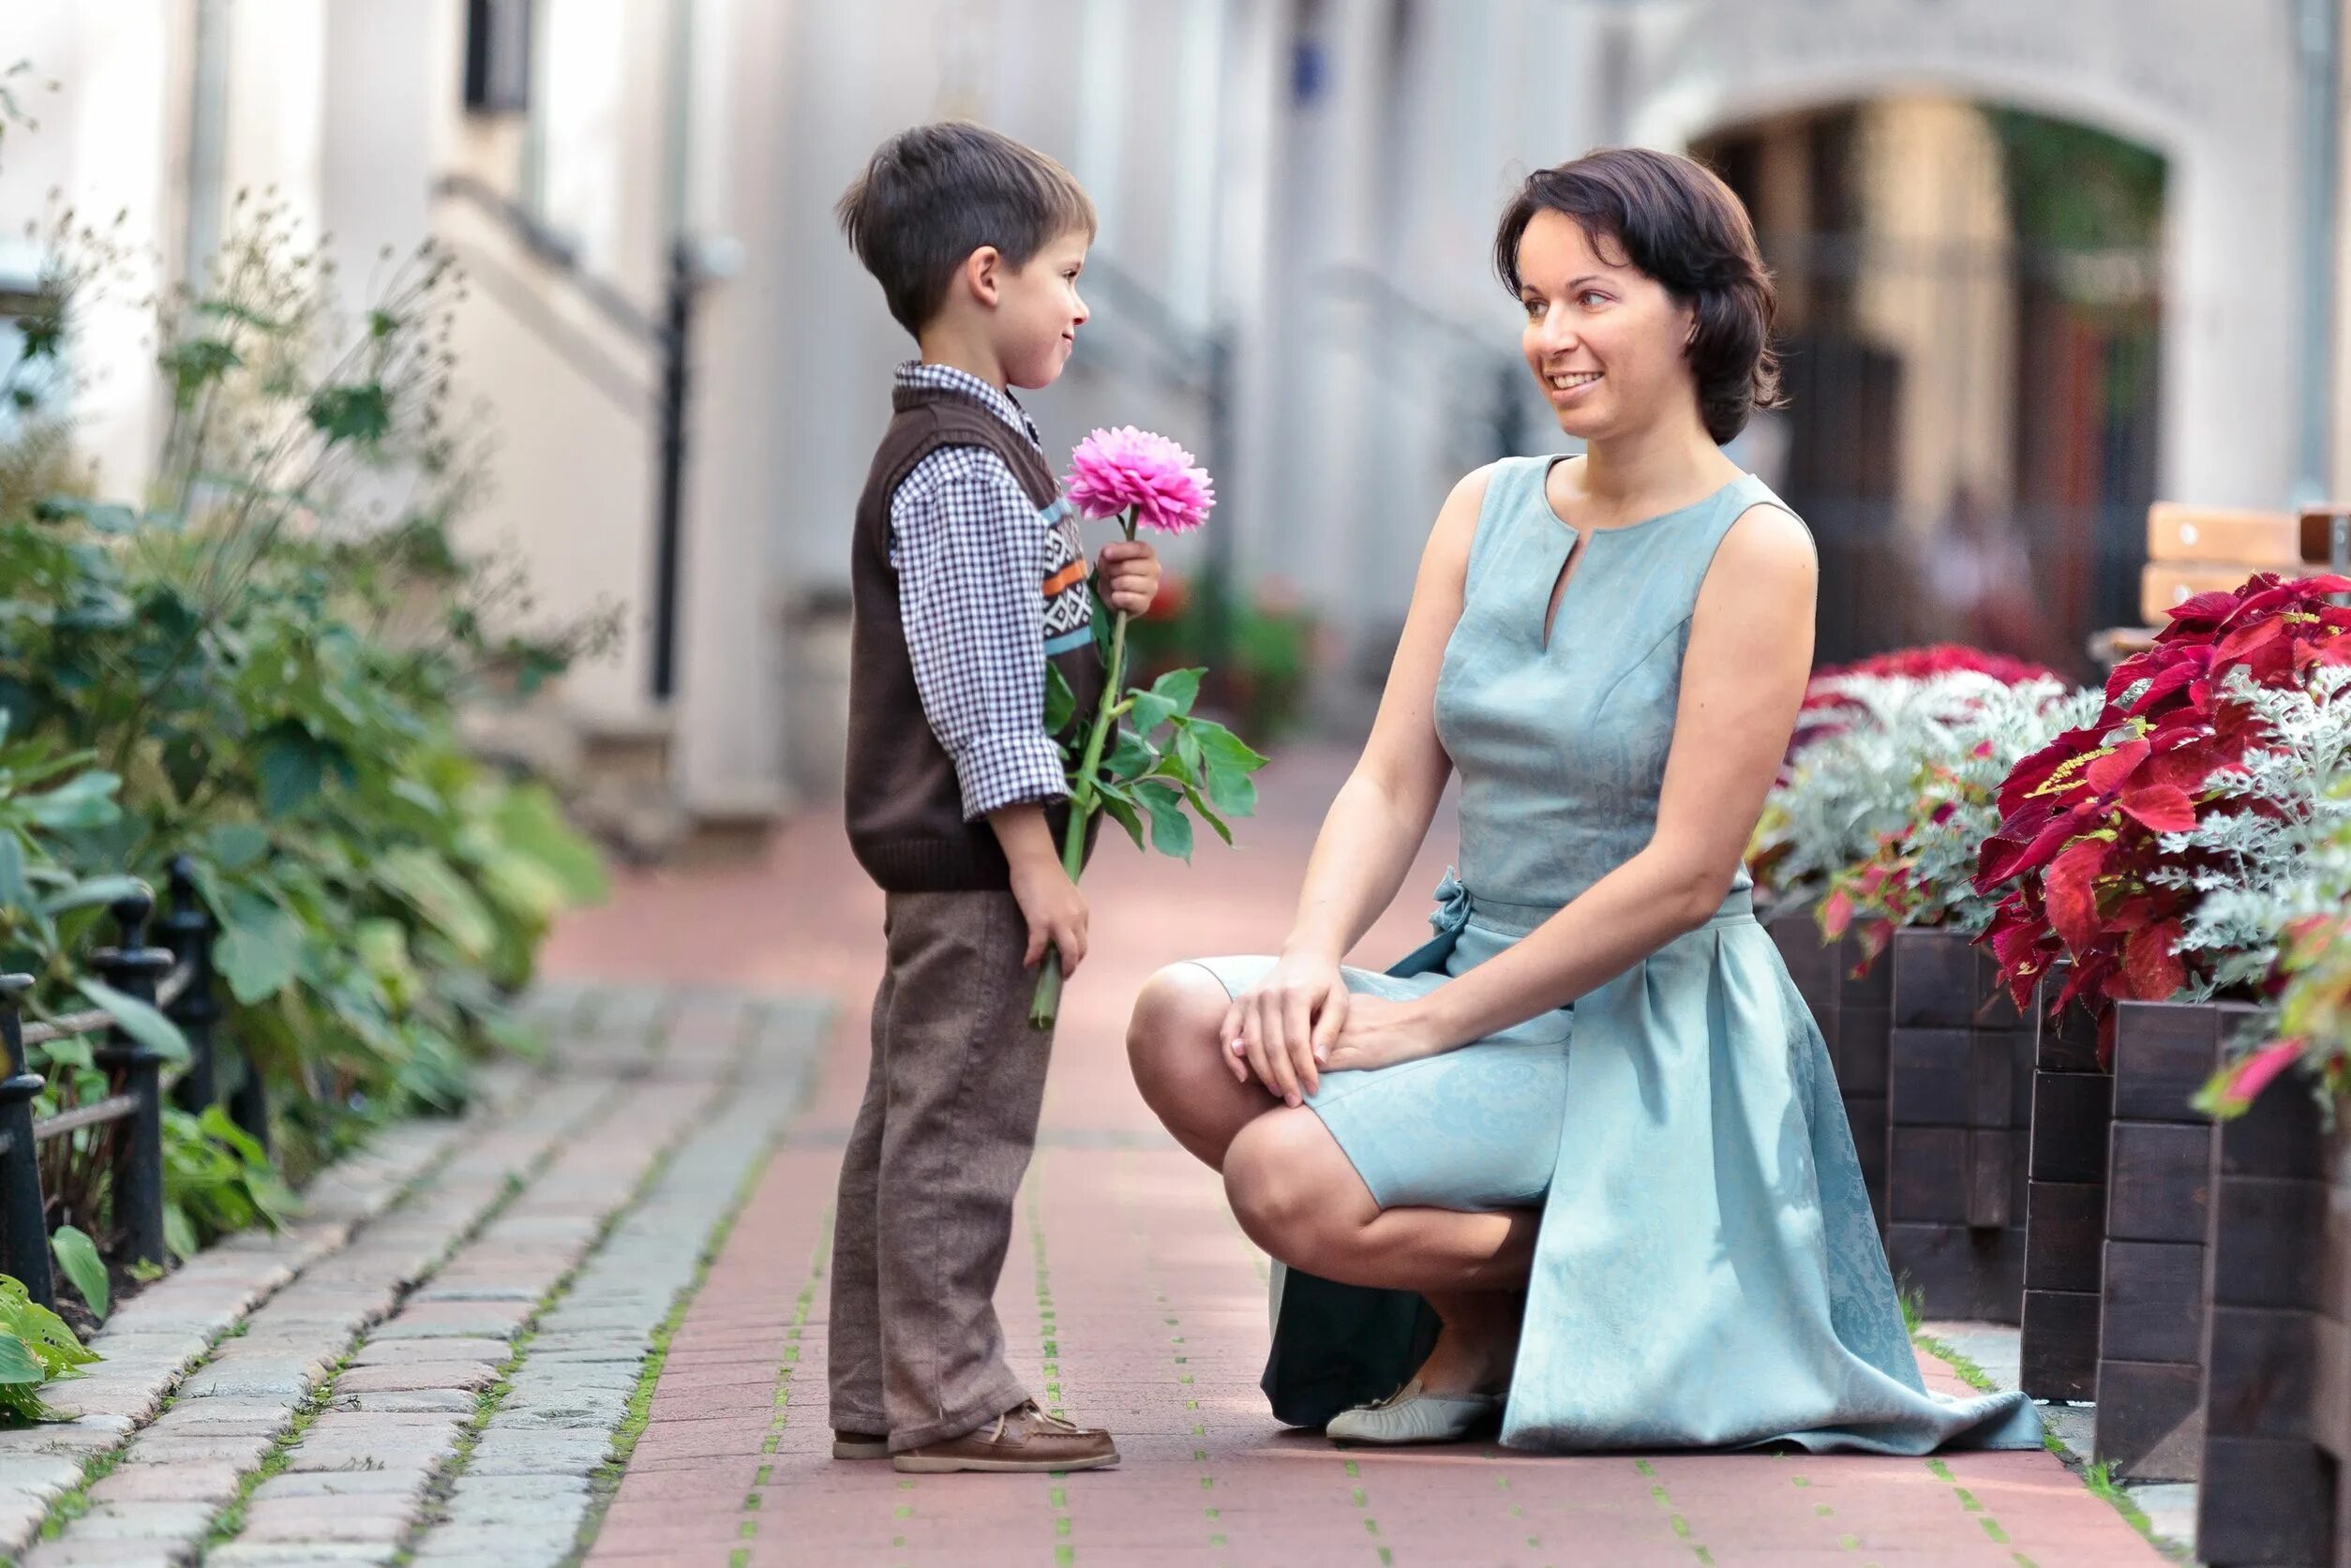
x,y
1292,1187
1171,1032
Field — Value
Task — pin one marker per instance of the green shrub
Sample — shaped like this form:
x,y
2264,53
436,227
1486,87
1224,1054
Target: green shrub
x,y
260,665
36,1349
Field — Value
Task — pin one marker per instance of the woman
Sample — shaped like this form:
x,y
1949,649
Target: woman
x,y
1600,1136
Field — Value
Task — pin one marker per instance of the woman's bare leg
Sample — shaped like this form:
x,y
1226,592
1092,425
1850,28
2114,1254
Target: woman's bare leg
x,y
1180,1063
1298,1196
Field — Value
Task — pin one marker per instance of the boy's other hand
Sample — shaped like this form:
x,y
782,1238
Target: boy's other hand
x,y
1130,579
1056,912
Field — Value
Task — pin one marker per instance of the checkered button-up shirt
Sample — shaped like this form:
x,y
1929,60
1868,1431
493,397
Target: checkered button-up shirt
x,y
986,585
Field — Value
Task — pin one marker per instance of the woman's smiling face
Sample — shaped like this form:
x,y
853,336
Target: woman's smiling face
x,y
1604,340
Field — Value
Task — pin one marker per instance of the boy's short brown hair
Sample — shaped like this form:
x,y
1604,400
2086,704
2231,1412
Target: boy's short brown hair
x,y
1677,222
932,195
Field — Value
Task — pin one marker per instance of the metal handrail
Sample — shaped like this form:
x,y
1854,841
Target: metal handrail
x,y
91,1020
178,978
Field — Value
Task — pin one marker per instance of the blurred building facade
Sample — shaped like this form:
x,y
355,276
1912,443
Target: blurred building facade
x,y
1993,370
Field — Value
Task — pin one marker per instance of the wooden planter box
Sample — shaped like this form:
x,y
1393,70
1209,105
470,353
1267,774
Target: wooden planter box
x,y
2159,1163
2065,1203
1854,1016
1959,1104
2277,1346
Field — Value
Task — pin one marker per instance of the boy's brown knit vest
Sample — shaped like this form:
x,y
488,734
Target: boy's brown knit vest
x,y
904,808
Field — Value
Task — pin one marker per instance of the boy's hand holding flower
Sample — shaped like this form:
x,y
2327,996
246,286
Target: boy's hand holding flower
x,y
1145,481
1129,576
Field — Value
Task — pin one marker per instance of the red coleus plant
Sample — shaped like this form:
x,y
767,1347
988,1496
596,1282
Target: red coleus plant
x,y
2082,818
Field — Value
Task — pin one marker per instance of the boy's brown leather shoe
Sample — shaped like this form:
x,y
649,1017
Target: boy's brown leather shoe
x,y
1022,1441
860,1445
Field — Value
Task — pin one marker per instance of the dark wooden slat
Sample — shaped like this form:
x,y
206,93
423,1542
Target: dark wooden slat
x,y
1930,1079
2282,1134
1867,1116
2267,1238
1960,1272
1861,1054
2163,1052
2067,1041
2159,1181
2059,1345
2071,1112
2154,1295
2263,1370
1994,1159
1862,1039
2066,1221
1996,1072
2331,1394
2264,1501
1926,1175
1871,988
2150,1421
1936,979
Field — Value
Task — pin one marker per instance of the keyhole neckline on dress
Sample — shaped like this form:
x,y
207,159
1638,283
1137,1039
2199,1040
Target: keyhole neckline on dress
x,y
1570,565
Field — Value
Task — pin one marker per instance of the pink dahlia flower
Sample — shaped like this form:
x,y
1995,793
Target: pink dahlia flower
x,y
1115,470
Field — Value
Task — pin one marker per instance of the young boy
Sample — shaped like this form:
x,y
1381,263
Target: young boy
x,y
967,575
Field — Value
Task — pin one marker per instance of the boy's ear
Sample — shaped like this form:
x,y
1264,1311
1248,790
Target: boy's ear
x,y
983,274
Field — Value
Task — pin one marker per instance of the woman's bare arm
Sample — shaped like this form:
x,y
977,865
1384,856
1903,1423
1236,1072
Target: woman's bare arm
x,y
1742,677
1373,828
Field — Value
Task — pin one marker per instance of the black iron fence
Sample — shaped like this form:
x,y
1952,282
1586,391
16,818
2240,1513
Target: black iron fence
x,y
176,975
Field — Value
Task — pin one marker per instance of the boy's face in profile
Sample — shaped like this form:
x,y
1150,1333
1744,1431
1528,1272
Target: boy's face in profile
x,y
1037,312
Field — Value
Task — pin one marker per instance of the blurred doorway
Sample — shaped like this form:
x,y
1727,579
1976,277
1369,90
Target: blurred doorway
x,y
1971,306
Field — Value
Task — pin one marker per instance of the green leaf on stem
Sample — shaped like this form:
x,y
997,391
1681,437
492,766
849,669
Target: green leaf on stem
x,y
1131,756
1171,830
1060,702
1235,794
141,1021
1207,815
1122,812
1180,687
78,1260
1224,748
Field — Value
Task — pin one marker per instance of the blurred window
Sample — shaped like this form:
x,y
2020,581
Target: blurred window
x,y
498,56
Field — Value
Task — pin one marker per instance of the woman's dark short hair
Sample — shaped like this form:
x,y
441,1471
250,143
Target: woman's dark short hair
x,y
932,195
1678,223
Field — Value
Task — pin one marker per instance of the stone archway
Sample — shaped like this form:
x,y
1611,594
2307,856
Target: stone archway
x,y
2214,89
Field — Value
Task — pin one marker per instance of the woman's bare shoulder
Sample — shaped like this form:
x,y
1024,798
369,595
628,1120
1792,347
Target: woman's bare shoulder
x,y
1766,538
1457,519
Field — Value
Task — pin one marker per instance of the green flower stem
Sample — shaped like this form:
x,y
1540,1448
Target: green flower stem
x,y
1045,1007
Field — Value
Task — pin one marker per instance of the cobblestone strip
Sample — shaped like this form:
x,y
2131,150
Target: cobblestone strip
x,y
357,1481
162,1489
522,1496
157,1335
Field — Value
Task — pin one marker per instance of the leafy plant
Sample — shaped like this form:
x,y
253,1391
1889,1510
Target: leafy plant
x,y
216,1180
78,1260
1853,786
1920,874
36,1349
260,665
1261,648
2114,835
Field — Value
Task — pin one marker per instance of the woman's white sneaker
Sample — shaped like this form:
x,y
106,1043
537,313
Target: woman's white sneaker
x,y
1408,1416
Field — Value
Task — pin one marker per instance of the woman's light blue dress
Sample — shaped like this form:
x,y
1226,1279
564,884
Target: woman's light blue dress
x,y
1708,1272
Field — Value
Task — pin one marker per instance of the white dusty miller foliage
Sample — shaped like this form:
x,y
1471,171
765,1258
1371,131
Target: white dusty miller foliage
x,y
2267,851
1940,845
1846,791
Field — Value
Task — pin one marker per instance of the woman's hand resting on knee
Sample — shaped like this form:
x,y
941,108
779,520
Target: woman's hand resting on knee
x,y
1378,1033
1299,1023
1279,1029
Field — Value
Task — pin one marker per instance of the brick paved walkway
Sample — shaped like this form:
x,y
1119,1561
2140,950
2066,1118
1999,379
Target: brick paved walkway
x,y
1132,1301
